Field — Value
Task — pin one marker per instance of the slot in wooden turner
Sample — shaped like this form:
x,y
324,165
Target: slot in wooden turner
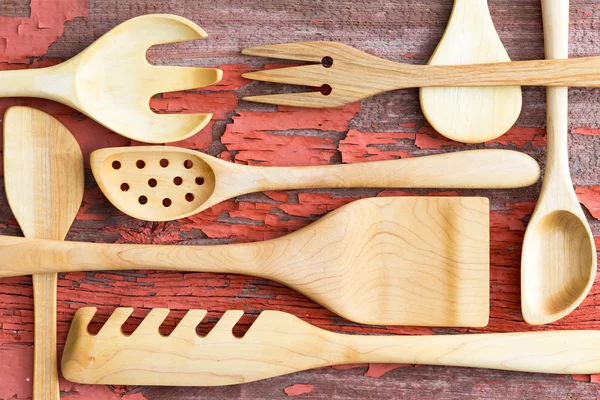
x,y
166,183
43,171
382,261
278,343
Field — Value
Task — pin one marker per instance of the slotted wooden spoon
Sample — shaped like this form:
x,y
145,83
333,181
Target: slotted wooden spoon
x,y
112,82
558,263
166,183
382,261
278,343
468,114
43,172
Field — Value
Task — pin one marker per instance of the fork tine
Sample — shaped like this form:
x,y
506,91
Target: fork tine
x,y
173,78
162,28
307,99
301,51
305,75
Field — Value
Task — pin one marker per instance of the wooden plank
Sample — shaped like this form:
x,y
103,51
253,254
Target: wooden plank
x,y
383,127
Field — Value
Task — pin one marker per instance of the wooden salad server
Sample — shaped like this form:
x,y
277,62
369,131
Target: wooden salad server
x,y
166,183
345,75
468,114
558,264
43,172
382,261
112,82
278,343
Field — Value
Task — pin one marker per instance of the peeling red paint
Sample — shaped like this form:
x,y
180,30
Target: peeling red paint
x,y
590,198
23,38
373,146
581,378
586,130
135,396
378,370
298,389
16,370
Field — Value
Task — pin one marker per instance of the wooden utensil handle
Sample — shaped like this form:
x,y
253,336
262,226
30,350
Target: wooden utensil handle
x,y
558,352
556,42
45,377
466,169
35,82
22,256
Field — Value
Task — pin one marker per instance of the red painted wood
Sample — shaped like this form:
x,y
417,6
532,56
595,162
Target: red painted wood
x,y
383,127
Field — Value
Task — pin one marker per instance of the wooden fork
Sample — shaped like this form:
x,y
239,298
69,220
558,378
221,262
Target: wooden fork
x,y
345,75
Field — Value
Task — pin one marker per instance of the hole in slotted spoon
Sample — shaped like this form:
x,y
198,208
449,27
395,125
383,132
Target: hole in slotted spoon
x,y
142,200
325,90
188,164
164,163
140,164
189,197
177,181
116,165
167,202
327,62
200,180
124,187
152,182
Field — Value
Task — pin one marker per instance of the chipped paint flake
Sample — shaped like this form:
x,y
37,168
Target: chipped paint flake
x,y
298,389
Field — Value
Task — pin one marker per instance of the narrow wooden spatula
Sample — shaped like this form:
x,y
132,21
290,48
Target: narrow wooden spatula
x,y
44,184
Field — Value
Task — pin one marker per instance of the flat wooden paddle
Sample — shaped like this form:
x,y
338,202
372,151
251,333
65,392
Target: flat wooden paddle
x,y
468,114
43,172
382,261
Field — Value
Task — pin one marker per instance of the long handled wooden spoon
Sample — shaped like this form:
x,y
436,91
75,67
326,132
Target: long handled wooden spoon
x,y
559,254
384,261
165,183
278,343
112,82
469,114
43,171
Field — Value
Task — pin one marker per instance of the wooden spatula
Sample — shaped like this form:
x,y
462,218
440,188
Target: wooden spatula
x,y
381,261
43,171
278,343
470,114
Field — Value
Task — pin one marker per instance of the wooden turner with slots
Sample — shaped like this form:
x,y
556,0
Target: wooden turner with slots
x,y
278,343
383,261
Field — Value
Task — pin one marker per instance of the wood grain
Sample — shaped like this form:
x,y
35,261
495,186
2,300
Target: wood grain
x,y
167,183
44,187
391,261
471,115
558,264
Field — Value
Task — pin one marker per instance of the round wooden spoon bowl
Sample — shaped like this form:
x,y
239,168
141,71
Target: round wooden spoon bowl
x,y
557,264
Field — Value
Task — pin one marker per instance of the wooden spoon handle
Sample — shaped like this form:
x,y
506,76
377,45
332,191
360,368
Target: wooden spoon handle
x,y
45,379
465,169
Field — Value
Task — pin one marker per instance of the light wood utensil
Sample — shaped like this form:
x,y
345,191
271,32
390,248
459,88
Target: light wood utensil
x,y
469,114
346,75
112,82
166,183
381,261
278,343
558,263
43,172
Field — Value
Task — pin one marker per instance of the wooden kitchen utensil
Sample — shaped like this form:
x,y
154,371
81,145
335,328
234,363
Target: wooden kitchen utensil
x,y
278,343
381,261
166,183
346,75
43,172
558,263
112,82
469,114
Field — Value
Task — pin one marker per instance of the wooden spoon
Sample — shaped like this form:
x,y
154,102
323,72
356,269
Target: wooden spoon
x,y
112,82
278,343
470,114
166,183
559,254
43,172
381,261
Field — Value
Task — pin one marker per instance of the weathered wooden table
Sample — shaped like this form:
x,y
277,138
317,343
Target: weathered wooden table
x,y
383,127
